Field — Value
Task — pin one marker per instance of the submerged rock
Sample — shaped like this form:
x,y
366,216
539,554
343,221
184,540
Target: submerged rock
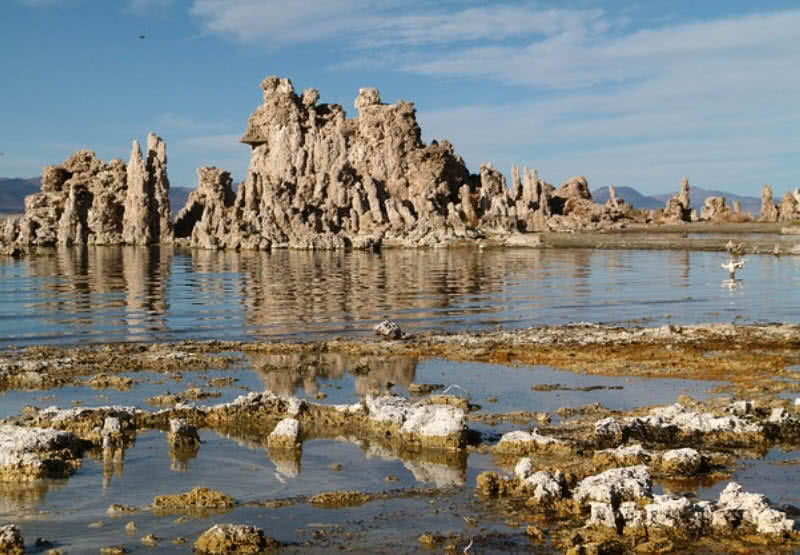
x,y
347,498
197,500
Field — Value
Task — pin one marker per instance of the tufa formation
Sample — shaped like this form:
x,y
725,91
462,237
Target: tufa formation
x,y
85,201
318,180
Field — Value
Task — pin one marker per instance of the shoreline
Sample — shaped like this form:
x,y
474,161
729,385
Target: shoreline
x,y
757,363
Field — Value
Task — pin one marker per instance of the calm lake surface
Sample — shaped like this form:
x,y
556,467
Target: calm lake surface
x,y
149,294
156,295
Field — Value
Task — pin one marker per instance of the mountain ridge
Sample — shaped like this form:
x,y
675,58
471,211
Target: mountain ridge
x,y
13,191
696,196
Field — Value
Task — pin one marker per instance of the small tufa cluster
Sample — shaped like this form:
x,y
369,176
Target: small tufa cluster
x,y
85,201
787,211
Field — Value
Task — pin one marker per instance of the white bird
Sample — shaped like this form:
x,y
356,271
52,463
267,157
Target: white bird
x,y
732,266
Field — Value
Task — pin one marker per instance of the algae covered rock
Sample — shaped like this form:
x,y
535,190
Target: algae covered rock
x,y
197,500
234,538
11,541
347,498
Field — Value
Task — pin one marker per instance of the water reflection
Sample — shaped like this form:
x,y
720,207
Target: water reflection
x,y
20,499
285,374
151,294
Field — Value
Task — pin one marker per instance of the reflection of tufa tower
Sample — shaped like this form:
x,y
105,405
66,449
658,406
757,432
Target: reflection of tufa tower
x,y
94,281
286,373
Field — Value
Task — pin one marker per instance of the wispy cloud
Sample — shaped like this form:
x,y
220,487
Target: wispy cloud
x,y
392,23
40,3
141,7
582,90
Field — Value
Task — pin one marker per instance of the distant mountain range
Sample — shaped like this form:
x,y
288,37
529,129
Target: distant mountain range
x,y
13,191
696,195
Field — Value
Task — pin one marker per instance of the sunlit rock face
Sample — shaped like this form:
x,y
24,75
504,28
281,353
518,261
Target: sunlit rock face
x,y
85,201
318,180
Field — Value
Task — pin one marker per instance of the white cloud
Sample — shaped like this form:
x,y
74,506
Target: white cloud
x,y
582,91
395,23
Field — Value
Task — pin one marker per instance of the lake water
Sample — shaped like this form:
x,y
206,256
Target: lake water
x,y
151,294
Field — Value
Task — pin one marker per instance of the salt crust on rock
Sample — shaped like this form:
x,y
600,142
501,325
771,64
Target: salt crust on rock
x,y
434,426
616,485
285,435
520,442
36,453
665,424
686,461
234,538
627,455
755,510
11,541
415,425
682,516
546,486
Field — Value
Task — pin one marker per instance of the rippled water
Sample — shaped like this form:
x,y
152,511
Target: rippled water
x,y
151,294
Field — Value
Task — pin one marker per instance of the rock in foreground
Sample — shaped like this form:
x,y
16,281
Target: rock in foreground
x,y
234,538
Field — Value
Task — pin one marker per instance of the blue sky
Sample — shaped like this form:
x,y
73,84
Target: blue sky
x,y
634,93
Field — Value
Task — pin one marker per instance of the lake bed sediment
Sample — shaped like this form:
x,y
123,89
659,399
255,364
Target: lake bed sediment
x,y
444,458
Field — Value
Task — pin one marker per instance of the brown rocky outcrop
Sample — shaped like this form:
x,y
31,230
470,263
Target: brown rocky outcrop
x,y
202,218
769,212
789,208
85,201
147,218
715,209
678,208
